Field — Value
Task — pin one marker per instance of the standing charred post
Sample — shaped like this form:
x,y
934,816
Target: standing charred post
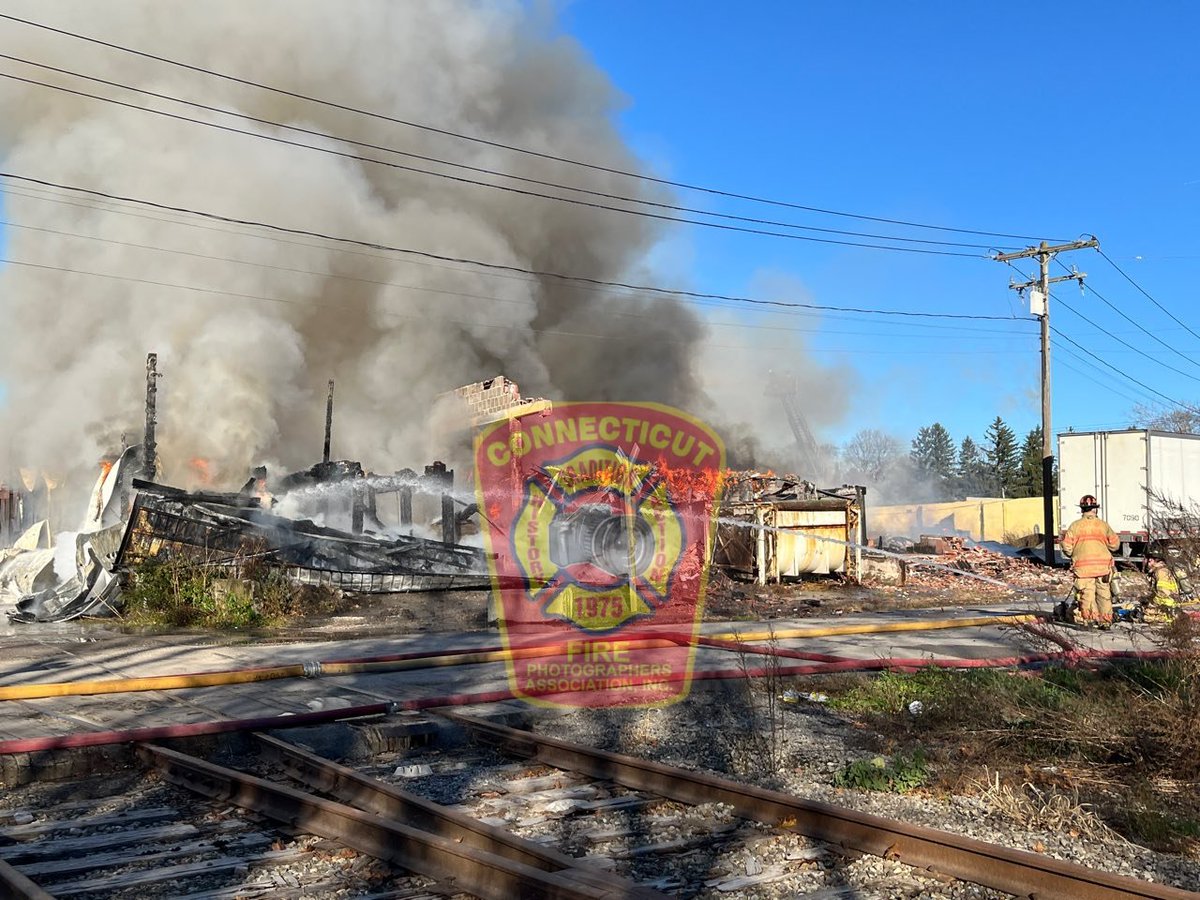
x,y
328,422
149,443
406,497
440,479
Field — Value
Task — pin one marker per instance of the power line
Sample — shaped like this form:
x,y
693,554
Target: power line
x,y
1123,374
425,254
1125,343
1145,293
472,323
114,208
1091,354
507,189
433,159
500,145
1091,375
499,187
992,333
1134,322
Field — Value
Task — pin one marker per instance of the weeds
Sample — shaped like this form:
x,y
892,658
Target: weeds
x,y
902,773
1045,808
935,697
194,592
1125,733
758,741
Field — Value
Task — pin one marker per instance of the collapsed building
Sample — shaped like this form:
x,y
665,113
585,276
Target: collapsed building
x,y
327,525
320,526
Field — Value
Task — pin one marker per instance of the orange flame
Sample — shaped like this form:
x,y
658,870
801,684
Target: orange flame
x,y
201,469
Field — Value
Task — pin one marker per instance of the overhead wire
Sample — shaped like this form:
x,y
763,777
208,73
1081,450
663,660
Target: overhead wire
x,y
1062,348
498,144
1131,320
1123,342
992,333
433,159
1091,354
491,266
472,323
1059,300
506,188
1125,375
114,208
1146,293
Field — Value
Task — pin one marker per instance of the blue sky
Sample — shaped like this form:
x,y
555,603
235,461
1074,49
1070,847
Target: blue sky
x,y
1047,119
1044,119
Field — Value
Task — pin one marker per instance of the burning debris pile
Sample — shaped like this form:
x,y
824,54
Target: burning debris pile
x,y
230,529
134,522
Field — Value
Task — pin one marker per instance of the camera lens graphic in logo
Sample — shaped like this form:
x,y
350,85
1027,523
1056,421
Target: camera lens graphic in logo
x,y
600,522
594,535
598,539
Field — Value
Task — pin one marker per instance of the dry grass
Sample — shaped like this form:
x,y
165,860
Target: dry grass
x,y
1048,808
1083,750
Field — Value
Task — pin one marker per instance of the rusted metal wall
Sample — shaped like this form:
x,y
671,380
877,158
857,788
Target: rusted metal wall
x,y
791,538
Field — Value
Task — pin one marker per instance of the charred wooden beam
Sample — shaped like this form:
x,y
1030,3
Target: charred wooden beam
x,y
149,443
328,422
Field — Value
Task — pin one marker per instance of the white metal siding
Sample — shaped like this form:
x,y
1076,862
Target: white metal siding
x,y
1079,467
1110,465
1123,503
1175,467
811,542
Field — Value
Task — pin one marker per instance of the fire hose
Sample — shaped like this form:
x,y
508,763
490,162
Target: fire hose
x,y
404,662
194,729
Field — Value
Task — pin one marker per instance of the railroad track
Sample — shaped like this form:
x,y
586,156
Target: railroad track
x,y
567,822
151,839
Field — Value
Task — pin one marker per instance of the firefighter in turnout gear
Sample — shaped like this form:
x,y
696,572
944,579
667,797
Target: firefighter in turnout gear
x,y
1090,544
1171,584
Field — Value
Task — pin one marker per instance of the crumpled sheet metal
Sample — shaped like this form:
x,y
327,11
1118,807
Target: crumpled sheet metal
x,y
93,591
26,571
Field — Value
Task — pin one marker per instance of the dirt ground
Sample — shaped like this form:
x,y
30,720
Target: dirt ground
x,y
727,600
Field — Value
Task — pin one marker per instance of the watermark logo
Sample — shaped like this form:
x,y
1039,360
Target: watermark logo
x,y
599,522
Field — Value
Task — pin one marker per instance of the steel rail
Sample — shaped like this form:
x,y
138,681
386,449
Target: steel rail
x,y
374,796
468,868
19,887
1013,871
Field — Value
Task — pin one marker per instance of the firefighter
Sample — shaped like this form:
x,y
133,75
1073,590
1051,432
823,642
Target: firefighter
x,y
1166,586
1090,544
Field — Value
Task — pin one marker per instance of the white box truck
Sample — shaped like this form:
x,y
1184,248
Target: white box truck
x,y
1129,472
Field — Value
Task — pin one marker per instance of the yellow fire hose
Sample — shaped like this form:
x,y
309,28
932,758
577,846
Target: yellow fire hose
x,y
878,628
272,673
244,676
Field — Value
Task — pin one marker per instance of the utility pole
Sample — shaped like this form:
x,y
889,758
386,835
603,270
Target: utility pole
x,y
1040,307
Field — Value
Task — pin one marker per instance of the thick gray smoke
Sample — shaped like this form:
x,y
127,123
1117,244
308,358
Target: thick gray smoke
x,y
247,358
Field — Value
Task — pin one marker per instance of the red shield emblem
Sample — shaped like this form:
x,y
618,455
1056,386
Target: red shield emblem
x,y
599,522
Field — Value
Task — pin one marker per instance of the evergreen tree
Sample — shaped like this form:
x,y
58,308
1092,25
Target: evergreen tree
x,y
1003,461
1029,484
932,457
971,469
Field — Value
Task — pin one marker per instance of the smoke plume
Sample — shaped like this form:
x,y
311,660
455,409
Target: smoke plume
x,y
246,355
